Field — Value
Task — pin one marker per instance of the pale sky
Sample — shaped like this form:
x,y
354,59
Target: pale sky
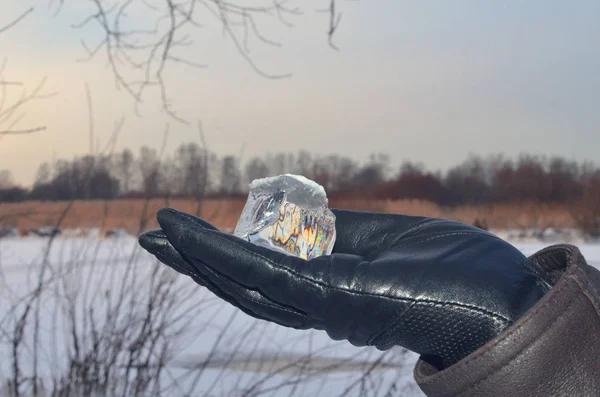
x,y
422,81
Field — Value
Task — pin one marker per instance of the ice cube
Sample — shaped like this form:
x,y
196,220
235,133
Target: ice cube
x,y
288,213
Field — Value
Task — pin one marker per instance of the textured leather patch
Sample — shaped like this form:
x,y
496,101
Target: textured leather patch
x,y
551,351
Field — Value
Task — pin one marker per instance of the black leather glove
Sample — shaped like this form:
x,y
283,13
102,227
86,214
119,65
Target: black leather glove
x,y
437,287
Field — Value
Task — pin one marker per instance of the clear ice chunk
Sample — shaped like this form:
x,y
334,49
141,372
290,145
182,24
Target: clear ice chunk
x,y
288,213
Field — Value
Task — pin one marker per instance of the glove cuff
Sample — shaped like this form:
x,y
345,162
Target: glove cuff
x,y
551,350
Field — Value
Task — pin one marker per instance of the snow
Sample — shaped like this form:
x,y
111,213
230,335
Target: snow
x,y
250,354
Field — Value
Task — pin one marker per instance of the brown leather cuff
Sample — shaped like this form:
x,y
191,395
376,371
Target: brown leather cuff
x,y
553,350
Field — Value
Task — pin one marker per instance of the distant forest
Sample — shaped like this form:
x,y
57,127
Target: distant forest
x,y
191,171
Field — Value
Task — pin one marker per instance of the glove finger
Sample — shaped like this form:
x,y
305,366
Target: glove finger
x,y
367,233
285,279
156,243
191,218
251,302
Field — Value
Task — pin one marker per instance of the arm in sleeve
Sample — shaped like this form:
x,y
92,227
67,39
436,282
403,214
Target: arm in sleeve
x,y
553,350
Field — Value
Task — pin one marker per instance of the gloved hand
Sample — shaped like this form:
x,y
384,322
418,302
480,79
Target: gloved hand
x,y
437,287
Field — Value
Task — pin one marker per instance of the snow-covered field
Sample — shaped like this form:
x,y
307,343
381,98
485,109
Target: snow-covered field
x,y
222,352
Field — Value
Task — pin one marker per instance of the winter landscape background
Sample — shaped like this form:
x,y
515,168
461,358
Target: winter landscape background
x,y
110,320
481,112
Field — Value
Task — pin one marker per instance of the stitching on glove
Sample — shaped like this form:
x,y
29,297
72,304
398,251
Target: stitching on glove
x,y
266,304
329,287
433,221
552,325
486,349
261,303
454,234
575,266
421,225
225,296
592,294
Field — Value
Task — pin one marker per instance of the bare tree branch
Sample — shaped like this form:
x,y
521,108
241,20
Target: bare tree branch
x,y
139,57
11,111
16,21
22,132
334,22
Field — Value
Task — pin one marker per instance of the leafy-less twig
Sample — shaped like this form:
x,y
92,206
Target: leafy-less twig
x,y
146,53
9,111
334,22
22,132
15,21
203,187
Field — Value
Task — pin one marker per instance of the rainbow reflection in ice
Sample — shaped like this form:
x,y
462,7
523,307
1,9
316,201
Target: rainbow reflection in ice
x,y
288,213
301,232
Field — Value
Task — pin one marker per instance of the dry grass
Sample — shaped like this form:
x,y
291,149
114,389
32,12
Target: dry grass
x,y
497,216
112,214
224,213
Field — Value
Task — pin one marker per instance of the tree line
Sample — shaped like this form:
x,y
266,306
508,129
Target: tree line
x,y
192,171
